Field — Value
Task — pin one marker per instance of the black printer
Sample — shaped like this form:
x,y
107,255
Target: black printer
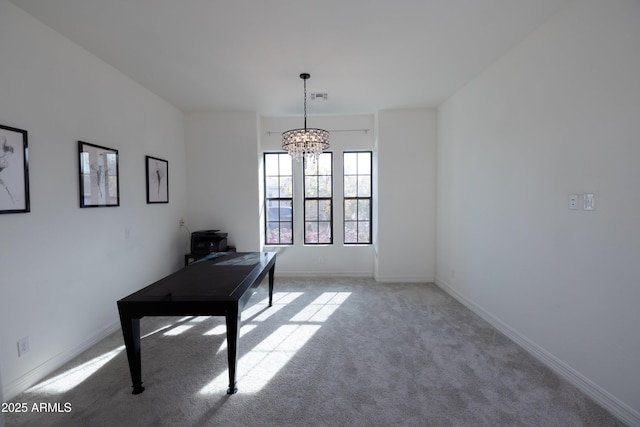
x,y
204,242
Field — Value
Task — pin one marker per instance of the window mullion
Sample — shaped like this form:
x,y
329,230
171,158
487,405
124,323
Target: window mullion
x,y
317,176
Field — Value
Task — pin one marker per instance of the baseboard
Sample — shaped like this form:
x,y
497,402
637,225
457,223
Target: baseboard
x,y
403,279
618,408
33,376
323,274
377,278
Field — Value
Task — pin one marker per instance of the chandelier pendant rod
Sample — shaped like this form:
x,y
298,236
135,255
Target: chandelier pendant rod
x,y
304,77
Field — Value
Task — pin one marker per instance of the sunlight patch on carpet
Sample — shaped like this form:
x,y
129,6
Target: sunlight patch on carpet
x,y
323,307
244,329
266,359
262,363
218,330
184,328
158,330
73,377
262,313
178,330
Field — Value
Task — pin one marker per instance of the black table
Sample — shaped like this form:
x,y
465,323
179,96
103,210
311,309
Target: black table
x,y
217,285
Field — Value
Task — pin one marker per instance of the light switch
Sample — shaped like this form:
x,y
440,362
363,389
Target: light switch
x,y
573,202
589,202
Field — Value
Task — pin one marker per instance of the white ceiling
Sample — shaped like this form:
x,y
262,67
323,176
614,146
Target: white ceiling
x,y
368,55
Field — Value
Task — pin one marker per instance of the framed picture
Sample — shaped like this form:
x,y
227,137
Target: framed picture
x,y
157,180
14,170
99,185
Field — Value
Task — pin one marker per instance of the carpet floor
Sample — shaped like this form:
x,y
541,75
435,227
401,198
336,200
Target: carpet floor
x,y
330,352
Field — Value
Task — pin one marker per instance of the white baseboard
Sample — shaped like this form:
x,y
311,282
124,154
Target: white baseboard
x,y
33,376
618,408
322,274
377,278
403,279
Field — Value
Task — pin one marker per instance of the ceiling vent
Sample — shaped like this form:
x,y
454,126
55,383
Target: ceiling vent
x,y
319,96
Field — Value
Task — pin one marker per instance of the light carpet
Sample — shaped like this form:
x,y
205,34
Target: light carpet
x,y
330,352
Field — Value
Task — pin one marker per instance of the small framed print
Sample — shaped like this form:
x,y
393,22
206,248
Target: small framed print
x,y
157,180
14,170
99,184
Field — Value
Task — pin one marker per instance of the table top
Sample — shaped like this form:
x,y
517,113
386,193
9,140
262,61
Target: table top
x,y
217,277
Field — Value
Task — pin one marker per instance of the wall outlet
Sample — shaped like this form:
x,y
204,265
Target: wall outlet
x,y
573,201
181,222
23,346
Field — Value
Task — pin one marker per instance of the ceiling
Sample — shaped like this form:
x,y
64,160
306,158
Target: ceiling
x,y
246,55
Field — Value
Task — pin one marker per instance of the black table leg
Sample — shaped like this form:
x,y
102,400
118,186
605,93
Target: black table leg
x,y
131,334
233,334
271,273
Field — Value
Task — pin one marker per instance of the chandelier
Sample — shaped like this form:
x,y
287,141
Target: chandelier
x,y
308,142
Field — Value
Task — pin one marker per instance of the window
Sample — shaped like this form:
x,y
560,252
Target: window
x,y
318,200
278,184
357,197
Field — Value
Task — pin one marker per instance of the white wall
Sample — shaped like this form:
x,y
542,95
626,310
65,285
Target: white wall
x,y
224,189
346,133
406,156
63,268
557,115
223,177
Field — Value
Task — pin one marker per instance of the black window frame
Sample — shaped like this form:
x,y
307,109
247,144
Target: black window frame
x,y
357,198
318,199
279,200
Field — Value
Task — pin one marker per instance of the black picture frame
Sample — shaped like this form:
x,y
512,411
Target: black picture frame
x,y
99,176
157,171
14,170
